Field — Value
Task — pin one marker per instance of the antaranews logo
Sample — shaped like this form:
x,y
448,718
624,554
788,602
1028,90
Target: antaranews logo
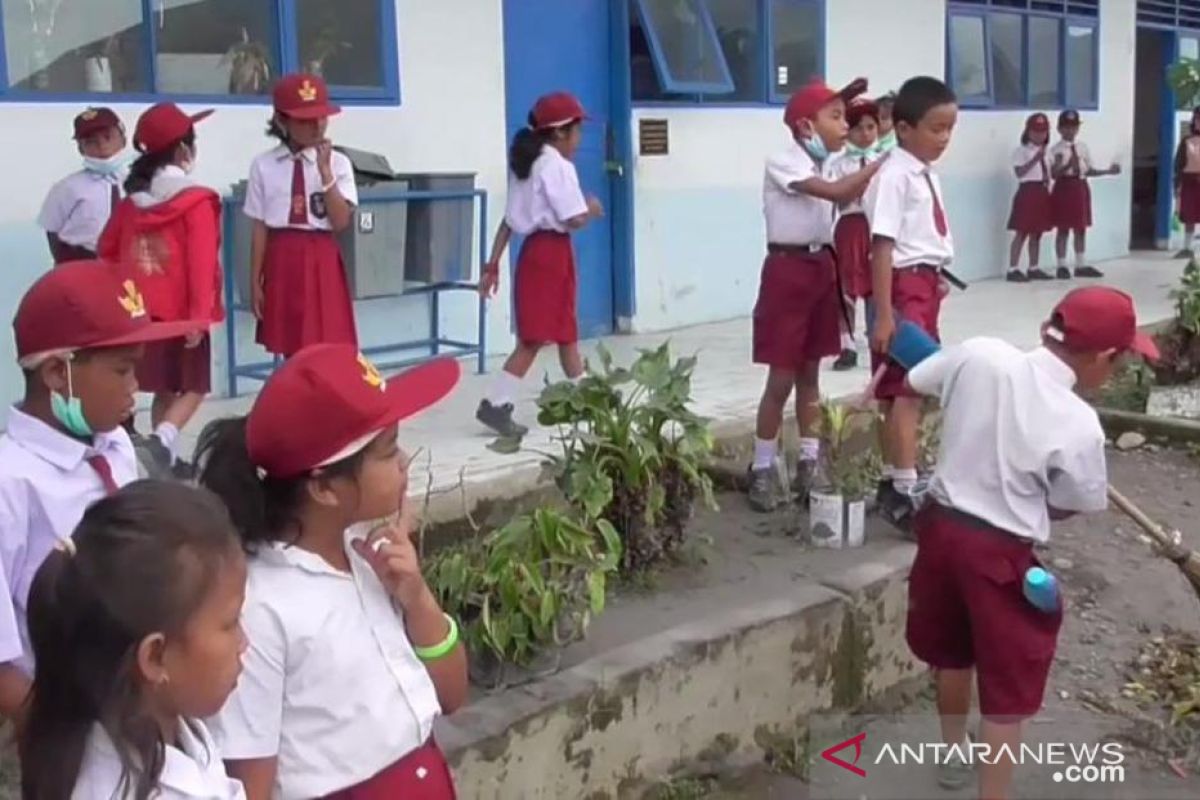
x,y
854,741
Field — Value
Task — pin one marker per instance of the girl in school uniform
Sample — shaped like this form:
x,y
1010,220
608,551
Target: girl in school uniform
x,y
887,129
545,203
852,233
1187,183
351,658
300,194
1031,212
1071,199
166,236
134,624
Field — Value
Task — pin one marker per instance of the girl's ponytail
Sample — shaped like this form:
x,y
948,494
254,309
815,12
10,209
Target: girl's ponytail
x,y
526,147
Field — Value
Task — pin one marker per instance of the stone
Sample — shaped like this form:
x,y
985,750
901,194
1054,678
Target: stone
x,y
1174,401
1130,440
1063,563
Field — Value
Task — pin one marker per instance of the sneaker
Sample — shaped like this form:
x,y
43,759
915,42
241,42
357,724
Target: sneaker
x,y
955,773
764,490
847,360
1185,253
500,419
897,508
1063,274
1088,272
1036,274
802,481
1016,276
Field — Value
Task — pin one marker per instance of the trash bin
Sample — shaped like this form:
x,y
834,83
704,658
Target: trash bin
x,y
440,232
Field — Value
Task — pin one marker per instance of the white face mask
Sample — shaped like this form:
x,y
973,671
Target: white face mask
x,y
189,163
105,166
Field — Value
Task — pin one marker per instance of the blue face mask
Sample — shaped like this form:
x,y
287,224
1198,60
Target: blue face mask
x,y
69,410
105,166
816,148
861,152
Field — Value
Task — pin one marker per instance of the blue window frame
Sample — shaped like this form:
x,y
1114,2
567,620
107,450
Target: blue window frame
x,y
1169,14
1024,53
724,52
196,51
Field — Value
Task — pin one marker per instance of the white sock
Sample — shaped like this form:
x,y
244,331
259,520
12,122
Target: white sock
x,y
504,388
764,453
1078,259
889,472
810,449
1062,262
847,341
168,434
904,479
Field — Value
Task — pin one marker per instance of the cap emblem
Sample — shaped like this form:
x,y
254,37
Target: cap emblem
x,y
307,91
371,375
132,300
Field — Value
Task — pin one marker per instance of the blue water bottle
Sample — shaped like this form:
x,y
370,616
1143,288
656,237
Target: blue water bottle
x,y
911,345
1041,590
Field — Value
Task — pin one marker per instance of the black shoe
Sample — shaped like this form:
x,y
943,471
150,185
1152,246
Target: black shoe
x,y
897,508
1016,276
802,480
764,490
1088,272
1185,253
847,360
1036,274
1063,274
500,419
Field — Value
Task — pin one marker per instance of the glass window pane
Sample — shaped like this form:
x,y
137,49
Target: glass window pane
x,y
1189,47
968,57
1044,45
214,46
341,41
690,53
736,22
796,30
1081,65
57,47
1008,67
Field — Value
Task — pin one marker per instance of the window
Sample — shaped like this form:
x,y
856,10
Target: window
x,y
215,50
1023,53
724,51
1169,14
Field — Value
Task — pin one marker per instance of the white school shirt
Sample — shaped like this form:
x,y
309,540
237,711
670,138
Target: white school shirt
x,y
844,164
78,207
269,190
192,770
900,207
794,217
1015,436
45,486
1036,174
549,197
1061,154
330,684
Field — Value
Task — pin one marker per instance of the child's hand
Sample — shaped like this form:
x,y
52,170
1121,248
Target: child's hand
x,y
325,160
192,340
390,552
489,280
595,209
1115,169
882,332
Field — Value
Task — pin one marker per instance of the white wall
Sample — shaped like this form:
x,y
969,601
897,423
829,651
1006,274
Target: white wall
x,y
451,119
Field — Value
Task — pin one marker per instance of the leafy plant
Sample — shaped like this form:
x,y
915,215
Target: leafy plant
x,y
1184,78
849,460
1180,345
249,66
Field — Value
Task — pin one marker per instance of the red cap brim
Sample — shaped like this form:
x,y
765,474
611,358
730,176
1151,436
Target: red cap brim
x,y
1145,346
415,390
853,89
314,112
200,116
152,332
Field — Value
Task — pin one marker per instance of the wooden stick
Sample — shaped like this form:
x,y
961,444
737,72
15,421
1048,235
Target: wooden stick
x,y
1152,528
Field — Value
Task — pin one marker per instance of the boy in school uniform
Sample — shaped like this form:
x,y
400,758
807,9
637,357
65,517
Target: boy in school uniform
x,y
79,333
796,317
1042,459
911,245
78,207
1071,198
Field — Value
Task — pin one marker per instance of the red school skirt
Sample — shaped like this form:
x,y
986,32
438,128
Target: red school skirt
x,y
423,774
1189,199
306,299
1031,209
1072,204
916,297
171,368
797,317
544,290
852,241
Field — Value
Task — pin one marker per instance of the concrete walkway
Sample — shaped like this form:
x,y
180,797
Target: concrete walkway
x,y
726,386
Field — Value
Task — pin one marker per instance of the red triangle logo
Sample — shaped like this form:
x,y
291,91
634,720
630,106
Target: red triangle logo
x,y
857,743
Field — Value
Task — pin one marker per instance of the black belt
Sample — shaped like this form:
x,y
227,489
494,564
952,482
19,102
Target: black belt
x,y
951,278
980,524
799,249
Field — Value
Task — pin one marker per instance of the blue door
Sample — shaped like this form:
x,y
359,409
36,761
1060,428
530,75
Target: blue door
x,y
553,45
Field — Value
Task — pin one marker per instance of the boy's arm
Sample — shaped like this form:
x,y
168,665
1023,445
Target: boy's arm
x,y
842,190
1078,478
14,690
882,265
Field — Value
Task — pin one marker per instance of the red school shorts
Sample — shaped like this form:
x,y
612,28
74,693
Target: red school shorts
x,y
916,297
1189,199
544,290
423,774
852,241
796,317
967,608
1031,209
171,368
1072,203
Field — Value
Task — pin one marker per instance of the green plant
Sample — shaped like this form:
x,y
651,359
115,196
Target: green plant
x,y
849,458
632,451
1180,345
1184,78
1187,299
249,66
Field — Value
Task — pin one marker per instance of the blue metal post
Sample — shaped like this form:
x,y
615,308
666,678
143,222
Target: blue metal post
x,y
228,208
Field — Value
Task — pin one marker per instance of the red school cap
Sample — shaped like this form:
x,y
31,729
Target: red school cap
x,y
91,121
810,99
163,125
303,96
1098,318
82,305
557,109
328,402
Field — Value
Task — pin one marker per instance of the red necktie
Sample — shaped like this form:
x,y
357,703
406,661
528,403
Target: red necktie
x,y
939,214
298,213
1042,164
1075,160
115,198
104,470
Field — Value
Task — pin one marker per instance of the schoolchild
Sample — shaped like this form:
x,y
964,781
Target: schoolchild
x,y
135,626
1031,211
545,204
1187,183
852,233
166,236
1071,167
911,245
797,317
351,658
79,335
299,195
77,208
1020,448
887,127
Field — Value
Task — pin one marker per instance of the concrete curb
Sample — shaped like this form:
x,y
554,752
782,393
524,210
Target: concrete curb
x,y
1116,422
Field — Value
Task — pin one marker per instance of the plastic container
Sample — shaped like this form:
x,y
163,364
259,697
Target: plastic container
x,y
1041,590
911,345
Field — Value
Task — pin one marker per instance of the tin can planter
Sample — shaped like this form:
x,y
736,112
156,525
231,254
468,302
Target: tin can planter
x,y
835,522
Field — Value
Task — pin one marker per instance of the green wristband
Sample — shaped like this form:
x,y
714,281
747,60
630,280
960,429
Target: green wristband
x,y
442,648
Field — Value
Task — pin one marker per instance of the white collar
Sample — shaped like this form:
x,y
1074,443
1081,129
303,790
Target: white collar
x,y
909,162
54,446
1047,362
284,153
289,555
187,769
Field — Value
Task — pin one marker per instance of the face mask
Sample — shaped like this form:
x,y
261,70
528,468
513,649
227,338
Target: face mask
x,y
886,143
69,410
816,148
104,166
854,151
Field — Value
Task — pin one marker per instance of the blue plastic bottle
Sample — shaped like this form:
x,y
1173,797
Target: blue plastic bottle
x,y
1041,590
911,345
